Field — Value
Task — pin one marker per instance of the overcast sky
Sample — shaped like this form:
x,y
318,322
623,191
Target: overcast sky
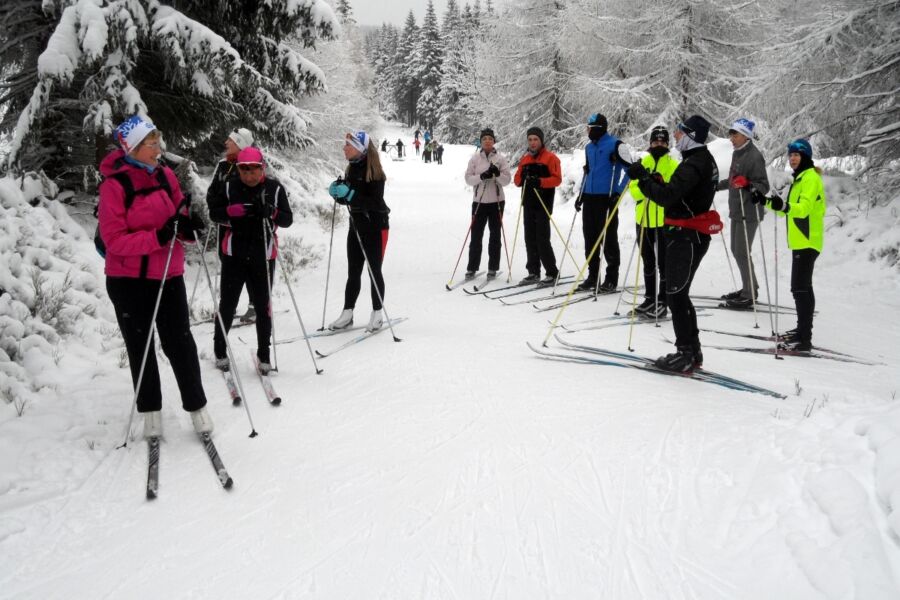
x,y
376,12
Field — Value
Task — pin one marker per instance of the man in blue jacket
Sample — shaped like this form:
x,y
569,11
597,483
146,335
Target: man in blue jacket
x,y
604,181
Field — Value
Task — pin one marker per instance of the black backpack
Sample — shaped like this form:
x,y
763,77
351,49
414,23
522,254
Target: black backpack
x,y
130,195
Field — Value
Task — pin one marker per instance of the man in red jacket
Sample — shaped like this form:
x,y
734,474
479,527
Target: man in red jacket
x,y
539,174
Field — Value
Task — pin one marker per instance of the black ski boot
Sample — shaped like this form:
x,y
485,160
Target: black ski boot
x,y
682,361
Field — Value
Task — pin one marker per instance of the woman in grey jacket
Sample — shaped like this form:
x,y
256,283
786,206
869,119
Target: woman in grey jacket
x,y
488,172
748,172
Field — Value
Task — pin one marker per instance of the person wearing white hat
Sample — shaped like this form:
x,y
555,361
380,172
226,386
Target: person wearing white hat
x,y
747,172
236,140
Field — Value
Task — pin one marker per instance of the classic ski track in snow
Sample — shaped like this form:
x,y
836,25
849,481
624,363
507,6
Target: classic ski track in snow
x,y
457,465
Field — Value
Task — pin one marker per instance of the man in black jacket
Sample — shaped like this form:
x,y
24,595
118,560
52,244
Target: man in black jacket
x,y
250,209
687,199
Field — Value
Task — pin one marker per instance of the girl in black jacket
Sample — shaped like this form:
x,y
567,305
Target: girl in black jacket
x,y
362,191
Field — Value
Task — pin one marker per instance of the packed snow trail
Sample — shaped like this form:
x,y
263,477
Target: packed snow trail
x,y
457,465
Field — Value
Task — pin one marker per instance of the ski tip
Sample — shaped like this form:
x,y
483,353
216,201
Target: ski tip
x,y
449,289
320,355
396,339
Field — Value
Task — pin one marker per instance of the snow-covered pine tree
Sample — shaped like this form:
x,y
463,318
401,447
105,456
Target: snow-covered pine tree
x,y
834,77
345,12
643,62
383,55
428,106
195,71
461,110
525,78
406,62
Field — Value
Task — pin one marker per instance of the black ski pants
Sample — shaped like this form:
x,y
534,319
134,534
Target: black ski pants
x,y
596,209
490,214
133,300
236,272
685,248
801,287
653,255
373,229
538,249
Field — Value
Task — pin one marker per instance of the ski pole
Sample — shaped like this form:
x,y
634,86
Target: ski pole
x,y
637,272
287,282
372,273
197,279
762,249
751,273
328,270
148,343
630,259
502,226
775,230
556,228
266,237
578,277
516,232
725,247
449,285
569,237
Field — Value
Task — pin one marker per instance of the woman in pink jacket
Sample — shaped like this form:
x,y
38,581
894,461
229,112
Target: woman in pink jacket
x,y
140,204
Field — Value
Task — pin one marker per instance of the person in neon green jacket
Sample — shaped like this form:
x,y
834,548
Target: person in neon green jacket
x,y
648,219
805,214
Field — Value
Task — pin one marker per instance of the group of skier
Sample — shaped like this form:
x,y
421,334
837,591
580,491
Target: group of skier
x,y
144,218
674,218
144,215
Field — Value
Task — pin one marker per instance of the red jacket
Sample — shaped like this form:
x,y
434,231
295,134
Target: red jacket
x,y
551,177
131,235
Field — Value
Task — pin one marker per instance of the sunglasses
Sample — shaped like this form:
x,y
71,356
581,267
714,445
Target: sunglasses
x,y
249,167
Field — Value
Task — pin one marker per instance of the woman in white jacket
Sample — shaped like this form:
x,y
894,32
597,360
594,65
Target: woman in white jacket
x,y
487,172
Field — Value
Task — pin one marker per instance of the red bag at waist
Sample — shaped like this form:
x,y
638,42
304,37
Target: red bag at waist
x,y
709,222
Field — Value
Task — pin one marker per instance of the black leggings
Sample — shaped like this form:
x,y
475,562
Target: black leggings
x,y
133,300
373,230
653,254
684,251
595,211
237,271
491,215
802,289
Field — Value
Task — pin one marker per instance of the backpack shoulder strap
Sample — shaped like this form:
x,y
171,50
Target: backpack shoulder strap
x,y
125,181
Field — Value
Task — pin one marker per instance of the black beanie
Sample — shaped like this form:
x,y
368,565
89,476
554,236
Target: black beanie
x,y
536,131
659,134
489,132
696,128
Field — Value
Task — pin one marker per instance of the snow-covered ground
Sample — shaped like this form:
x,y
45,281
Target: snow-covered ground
x,y
457,464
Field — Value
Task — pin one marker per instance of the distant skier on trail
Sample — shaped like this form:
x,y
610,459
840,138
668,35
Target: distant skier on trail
x,y
141,205
604,182
361,189
804,210
539,174
487,171
748,171
649,224
687,199
439,153
399,148
417,145
252,208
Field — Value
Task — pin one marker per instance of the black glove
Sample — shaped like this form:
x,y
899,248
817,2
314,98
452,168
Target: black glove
x,y
757,197
190,225
486,174
776,203
268,211
533,180
165,233
637,171
585,169
495,170
578,202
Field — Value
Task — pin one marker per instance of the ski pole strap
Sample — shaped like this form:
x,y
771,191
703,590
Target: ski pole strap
x,y
709,222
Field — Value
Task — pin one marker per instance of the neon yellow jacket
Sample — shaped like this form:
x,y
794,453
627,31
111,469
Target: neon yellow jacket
x,y
805,211
648,212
